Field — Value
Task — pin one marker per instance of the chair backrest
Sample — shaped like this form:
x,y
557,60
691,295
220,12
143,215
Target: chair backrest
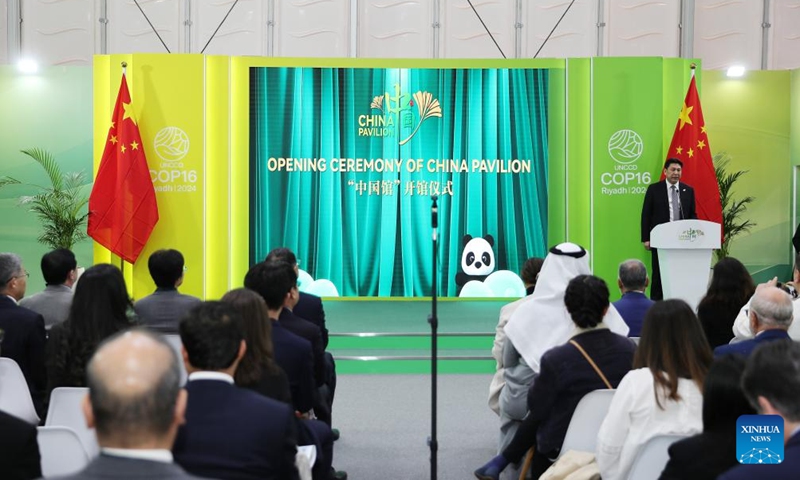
x,y
652,457
65,411
586,420
61,451
15,397
175,341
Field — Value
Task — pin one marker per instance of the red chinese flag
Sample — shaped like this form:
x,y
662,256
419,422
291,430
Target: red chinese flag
x,y
122,206
690,146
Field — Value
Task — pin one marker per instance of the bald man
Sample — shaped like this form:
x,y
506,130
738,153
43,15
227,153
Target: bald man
x,y
136,405
770,314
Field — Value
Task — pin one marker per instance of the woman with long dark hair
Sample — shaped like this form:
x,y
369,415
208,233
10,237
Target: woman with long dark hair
x,y
257,370
663,393
731,287
100,307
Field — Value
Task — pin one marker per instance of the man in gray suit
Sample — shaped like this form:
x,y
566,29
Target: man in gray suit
x,y
60,271
136,405
163,310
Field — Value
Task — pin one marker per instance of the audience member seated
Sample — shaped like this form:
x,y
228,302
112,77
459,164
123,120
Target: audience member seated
x,y
292,353
662,395
23,339
634,304
731,287
539,325
100,308
741,327
273,281
707,455
164,308
19,451
770,316
230,432
60,271
259,372
567,374
530,270
771,382
135,404
309,308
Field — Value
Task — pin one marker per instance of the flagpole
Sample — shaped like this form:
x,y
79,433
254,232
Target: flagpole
x,y
692,66
125,67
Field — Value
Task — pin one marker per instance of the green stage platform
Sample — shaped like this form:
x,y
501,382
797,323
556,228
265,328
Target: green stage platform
x,y
392,335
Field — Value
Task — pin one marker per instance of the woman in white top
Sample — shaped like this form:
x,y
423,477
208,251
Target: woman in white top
x,y
663,394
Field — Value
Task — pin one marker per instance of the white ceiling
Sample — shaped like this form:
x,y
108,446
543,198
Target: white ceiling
x,y
720,32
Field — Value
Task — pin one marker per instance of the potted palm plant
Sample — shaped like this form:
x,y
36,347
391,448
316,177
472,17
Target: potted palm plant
x,y
60,207
733,210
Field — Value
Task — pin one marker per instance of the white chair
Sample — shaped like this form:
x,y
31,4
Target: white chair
x,y
175,341
586,420
652,457
61,451
65,411
15,397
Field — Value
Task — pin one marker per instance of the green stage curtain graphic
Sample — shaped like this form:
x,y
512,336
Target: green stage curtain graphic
x,y
343,162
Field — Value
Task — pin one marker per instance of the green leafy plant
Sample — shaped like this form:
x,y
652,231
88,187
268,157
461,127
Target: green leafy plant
x,y
733,210
60,207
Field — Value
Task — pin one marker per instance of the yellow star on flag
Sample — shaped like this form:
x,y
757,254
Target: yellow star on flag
x,y
679,150
129,112
113,139
702,129
684,117
112,124
123,148
135,146
701,144
691,153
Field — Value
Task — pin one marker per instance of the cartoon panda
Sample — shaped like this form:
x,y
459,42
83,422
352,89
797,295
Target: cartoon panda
x,y
477,259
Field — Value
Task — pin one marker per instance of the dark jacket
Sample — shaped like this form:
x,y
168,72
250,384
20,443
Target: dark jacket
x,y
310,308
655,209
701,457
717,319
111,466
305,329
293,355
24,342
566,376
632,307
19,451
789,469
233,433
746,347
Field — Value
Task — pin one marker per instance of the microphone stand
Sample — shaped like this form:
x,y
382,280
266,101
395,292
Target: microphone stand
x,y
434,321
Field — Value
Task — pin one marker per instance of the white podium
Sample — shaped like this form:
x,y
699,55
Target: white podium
x,y
684,257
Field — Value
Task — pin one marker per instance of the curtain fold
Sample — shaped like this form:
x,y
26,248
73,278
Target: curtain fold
x,y
369,232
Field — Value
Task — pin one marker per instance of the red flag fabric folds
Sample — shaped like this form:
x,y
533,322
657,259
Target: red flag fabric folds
x,y
690,146
122,205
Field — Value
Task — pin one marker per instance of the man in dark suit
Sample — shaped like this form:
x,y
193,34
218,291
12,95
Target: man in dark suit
x,y
634,304
19,451
163,309
309,308
770,316
275,281
665,201
23,337
135,404
771,382
230,432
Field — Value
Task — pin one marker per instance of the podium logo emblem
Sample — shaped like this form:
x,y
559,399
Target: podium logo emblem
x,y
759,439
691,235
625,146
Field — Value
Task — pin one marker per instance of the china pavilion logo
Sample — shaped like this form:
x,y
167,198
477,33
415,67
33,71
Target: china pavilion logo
x,y
397,116
691,235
